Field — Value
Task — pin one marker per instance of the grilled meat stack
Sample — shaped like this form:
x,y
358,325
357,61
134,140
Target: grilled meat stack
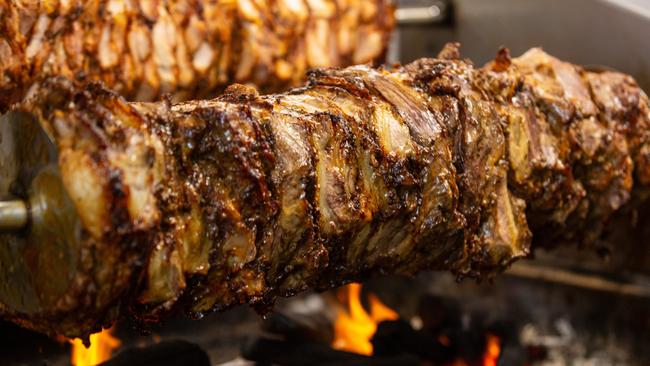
x,y
203,205
190,48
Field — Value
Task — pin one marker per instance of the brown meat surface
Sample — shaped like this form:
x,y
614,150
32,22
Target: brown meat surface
x,y
208,204
189,48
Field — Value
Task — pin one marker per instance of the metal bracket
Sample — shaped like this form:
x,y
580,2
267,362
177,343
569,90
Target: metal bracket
x,y
433,12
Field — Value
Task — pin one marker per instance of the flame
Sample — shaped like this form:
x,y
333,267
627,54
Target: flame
x,y
492,350
102,345
354,329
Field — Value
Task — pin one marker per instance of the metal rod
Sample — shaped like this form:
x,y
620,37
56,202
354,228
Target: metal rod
x,y
14,215
420,15
593,282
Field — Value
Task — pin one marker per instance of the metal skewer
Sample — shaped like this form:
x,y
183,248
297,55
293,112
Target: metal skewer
x,y
433,12
40,232
14,215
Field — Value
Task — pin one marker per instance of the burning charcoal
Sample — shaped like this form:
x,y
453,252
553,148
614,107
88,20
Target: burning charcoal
x,y
439,313
167,353
272,351
397,337
537,353
401,360
24,347
510,349
268,351
300,327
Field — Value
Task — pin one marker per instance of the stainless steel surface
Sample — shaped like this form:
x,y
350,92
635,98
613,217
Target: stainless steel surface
x,y
14,215
614,33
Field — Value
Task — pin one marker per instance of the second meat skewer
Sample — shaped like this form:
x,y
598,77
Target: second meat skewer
x,y
191,49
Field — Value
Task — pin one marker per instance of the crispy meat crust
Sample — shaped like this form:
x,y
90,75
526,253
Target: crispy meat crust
x,y
244,198
190,48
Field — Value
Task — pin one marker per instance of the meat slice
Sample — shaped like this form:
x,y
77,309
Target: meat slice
x,y
204,205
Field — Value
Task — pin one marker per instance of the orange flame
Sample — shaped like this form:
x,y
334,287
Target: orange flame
x,y
490,355
101,347
354,329
492,350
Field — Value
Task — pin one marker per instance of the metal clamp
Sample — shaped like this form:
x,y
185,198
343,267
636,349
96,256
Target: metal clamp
x,y
14,215
434,13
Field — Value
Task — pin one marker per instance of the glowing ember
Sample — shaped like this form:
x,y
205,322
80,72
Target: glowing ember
x,y
458,362
492,350
101,346
354,329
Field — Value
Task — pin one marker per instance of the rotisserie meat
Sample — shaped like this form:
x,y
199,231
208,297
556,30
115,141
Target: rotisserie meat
x,y
189,48
208,204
